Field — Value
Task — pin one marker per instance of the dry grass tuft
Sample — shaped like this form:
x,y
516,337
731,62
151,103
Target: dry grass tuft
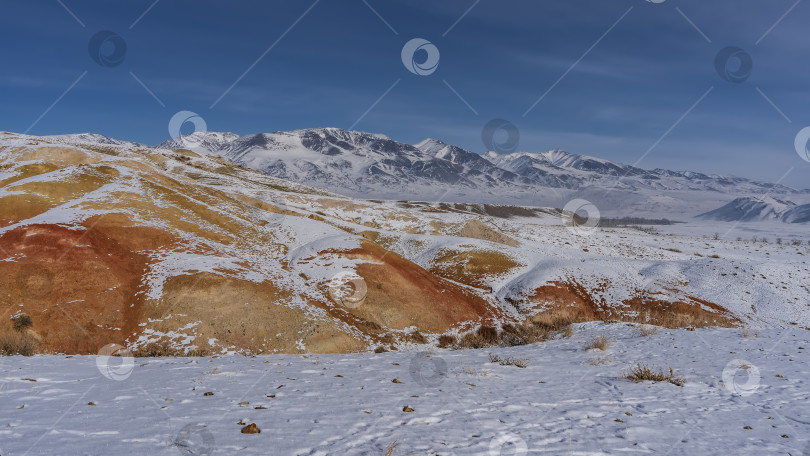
x,y
391,448
647,330
600,342
446,340
165,349
601,361
510,361
642,372
18,343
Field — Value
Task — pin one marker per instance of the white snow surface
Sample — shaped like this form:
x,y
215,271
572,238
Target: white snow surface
x,y
569,400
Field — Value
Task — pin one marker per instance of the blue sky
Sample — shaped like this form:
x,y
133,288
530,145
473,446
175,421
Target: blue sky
x,y
654,67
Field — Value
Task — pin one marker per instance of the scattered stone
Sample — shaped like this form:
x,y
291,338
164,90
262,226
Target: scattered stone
x,y
244,403
748,428
396,381
208,393
618,420
251,429
29,380
271,396
91,403
339,376
260,407
407,409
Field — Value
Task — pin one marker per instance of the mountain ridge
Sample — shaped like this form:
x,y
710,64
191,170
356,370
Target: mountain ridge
x,y
371,165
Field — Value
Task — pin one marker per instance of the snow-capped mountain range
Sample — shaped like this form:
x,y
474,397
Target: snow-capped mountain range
x,y
375,166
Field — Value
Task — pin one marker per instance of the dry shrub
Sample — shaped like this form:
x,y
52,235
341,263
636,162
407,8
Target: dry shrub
x,y
558,318
510,361
446,340
417,338
647,330
471,340
599,342
164,348
642,372
488,334
390,451
599,361
527,333
18,343
547,326
22,322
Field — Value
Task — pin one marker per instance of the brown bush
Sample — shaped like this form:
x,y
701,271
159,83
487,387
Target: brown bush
x,y
642,372
510,361
417,338
18,343
22,322
599,342
164,349
488,334
446,340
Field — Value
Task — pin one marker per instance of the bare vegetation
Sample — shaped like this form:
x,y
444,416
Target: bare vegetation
x,y
544,326
641,372
510,361
599,343
18,343
22,322
165,349
647,330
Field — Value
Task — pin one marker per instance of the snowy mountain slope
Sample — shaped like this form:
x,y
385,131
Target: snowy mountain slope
x,y
750,209
183,246
370,165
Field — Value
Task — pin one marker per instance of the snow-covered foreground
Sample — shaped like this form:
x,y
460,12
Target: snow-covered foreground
x,y
569,400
